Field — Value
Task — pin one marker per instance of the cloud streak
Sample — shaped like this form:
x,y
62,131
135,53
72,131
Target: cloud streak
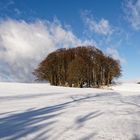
x,y
23,45
132,13
115,54
101,26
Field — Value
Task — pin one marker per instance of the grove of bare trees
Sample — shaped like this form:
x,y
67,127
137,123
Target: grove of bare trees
x,y
78,67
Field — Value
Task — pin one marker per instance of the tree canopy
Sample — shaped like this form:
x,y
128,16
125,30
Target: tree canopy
x,y
80,66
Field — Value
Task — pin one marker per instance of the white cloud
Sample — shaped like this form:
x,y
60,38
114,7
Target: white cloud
x,y
23,45
115,54
102,26
132,13
18,12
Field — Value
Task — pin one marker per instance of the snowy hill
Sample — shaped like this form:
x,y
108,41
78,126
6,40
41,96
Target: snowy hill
x,y
44,112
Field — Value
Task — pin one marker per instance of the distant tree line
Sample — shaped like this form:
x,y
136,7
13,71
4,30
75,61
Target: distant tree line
x,y
78,67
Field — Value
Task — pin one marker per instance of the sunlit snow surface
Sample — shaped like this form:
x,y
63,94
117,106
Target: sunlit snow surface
x,y
44,112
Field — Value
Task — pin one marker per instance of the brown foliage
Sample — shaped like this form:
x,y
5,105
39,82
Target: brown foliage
x,y
77,67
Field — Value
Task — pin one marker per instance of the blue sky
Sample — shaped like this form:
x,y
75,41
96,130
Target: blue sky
x,y
113,26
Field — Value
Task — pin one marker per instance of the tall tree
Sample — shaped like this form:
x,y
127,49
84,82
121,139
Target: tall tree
x,y
77,72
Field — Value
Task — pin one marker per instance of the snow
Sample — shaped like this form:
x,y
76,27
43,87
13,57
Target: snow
x,y
129,88
41,111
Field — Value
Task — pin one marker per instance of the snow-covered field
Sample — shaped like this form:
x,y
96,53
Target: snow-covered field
x,y
44,112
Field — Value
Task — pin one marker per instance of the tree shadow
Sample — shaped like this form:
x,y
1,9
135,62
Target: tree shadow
x,y
82,119
130,103
21,124
89,137
98,95
88,116
136,137
28,96
5,113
